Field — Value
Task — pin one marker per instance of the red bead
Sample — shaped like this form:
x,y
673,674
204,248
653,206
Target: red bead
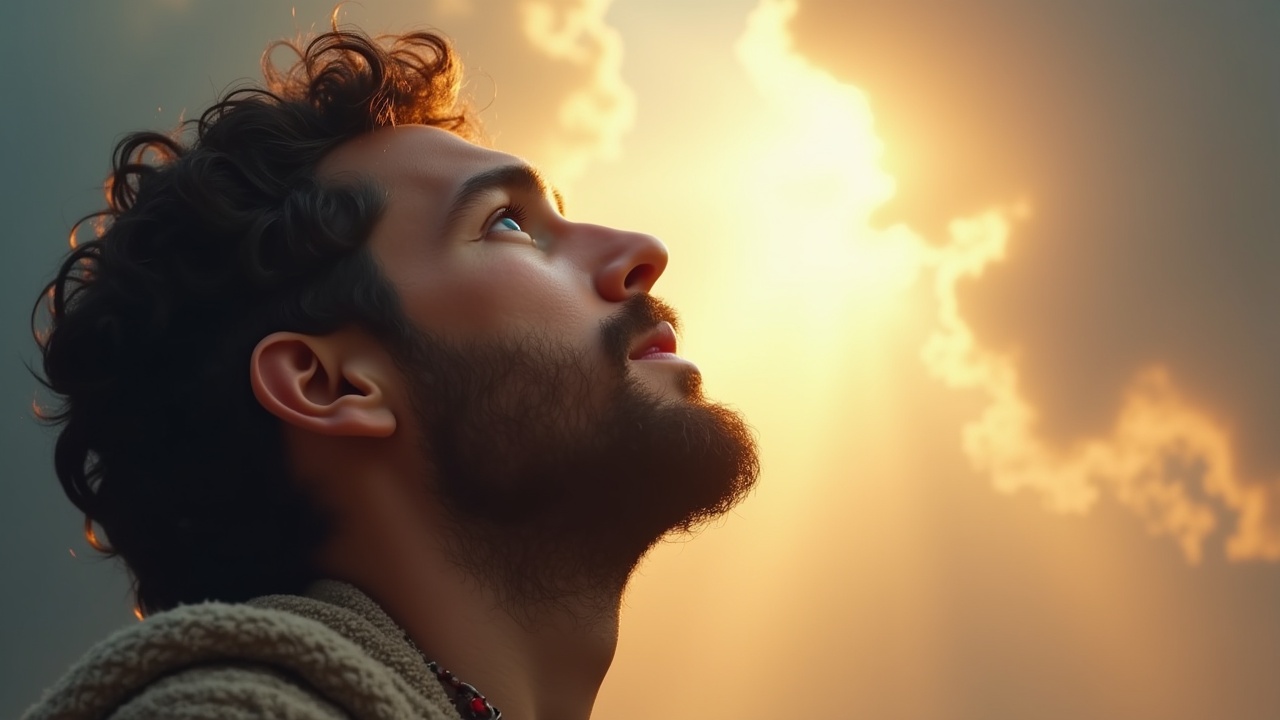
x,y
479,707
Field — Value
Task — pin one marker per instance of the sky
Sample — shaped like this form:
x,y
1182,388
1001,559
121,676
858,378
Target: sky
x,y
992,281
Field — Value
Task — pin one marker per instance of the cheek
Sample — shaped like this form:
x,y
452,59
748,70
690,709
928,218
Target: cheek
x,y
503,295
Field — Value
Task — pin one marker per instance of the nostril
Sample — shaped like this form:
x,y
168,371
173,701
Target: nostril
x,y
642,275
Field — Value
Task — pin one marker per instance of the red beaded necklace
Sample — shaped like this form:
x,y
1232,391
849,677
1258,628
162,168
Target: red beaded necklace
x,y
467,699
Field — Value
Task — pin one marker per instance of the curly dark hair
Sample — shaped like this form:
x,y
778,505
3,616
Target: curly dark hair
x,y
210,241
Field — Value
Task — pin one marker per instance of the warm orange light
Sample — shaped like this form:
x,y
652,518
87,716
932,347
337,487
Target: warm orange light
x,y
37,411
819,170
91,535
823,266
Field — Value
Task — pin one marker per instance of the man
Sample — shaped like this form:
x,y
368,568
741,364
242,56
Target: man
x,y
362,383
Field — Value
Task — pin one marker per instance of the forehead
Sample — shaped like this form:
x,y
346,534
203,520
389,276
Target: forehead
x,y
433,163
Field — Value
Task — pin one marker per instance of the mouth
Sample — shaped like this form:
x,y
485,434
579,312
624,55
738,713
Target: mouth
x,y
660,342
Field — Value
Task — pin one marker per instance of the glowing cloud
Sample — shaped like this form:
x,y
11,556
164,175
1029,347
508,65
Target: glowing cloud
x,y
595,116
551,55
1164,459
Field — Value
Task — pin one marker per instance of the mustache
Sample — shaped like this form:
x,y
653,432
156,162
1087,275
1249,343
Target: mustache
x,y
638,315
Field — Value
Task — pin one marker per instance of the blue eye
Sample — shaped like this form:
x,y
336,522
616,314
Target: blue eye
x,y
509,219
508,223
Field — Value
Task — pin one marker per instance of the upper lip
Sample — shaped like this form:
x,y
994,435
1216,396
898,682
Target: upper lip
x,y
661,339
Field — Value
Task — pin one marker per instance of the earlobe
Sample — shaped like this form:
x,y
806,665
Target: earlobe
x,y
310,383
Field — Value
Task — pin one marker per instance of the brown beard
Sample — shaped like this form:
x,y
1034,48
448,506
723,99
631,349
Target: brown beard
x,y
559,470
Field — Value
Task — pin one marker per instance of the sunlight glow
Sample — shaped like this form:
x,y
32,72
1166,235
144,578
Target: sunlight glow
x,y
819,167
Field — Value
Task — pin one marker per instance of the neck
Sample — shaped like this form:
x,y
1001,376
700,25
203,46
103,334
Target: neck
x,y
533,661
532,667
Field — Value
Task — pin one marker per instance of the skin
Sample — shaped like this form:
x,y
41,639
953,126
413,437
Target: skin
x,y
351,430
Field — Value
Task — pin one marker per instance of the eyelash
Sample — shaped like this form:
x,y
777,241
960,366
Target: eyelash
x,y
513,211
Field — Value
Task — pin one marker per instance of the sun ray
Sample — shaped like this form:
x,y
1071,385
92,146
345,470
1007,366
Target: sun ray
x,y
818,170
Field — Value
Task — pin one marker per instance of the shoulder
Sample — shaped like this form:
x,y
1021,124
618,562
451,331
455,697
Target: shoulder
x,y
237,661
199,653
131,659
230,692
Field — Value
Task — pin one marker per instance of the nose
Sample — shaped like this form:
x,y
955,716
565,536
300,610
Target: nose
x,y
627,263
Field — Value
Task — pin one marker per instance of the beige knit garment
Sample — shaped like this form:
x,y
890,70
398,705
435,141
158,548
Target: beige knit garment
x,y
331,654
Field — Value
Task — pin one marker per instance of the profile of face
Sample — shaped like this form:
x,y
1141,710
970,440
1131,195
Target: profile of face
x,y
562,432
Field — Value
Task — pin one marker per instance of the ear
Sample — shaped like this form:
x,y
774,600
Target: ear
x,y
328,385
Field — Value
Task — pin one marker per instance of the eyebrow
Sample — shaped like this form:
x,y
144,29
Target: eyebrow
x,y
523,178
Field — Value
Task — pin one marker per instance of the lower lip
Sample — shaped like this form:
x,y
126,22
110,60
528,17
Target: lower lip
x,y
664,356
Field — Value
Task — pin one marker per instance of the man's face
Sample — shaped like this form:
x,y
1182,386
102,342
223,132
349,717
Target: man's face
x,y
564,434
447,242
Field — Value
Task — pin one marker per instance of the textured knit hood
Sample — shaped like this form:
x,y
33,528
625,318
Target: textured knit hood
x,y
334,647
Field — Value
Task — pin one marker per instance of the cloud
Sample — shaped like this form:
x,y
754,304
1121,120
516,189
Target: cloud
x,y
1166,458
548,75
